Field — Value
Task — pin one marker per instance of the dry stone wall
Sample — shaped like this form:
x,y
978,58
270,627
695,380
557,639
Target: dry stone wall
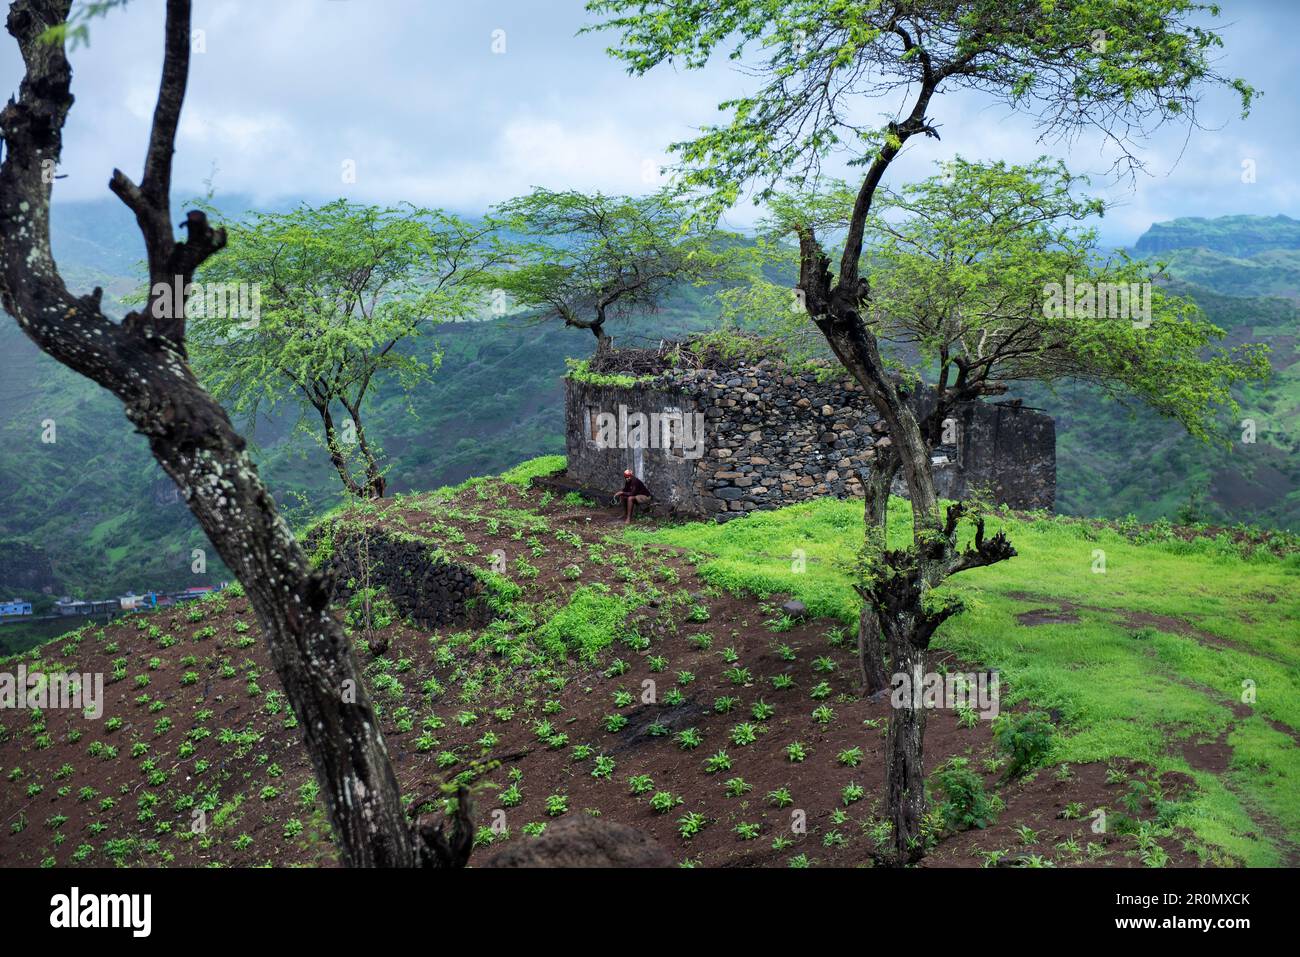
x,y
427,589
772,436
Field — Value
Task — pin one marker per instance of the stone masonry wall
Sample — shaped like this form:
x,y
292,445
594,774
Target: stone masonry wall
x,y
774,437
1012,451
670,474
429,591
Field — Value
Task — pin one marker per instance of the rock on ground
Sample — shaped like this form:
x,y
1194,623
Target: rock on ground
x,y
583,842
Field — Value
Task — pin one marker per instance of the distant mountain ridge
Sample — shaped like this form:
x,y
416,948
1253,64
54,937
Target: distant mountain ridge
x,y
1239,236
1244,272
92,503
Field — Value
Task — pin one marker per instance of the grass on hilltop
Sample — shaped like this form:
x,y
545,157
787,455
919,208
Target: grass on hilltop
x,y
1172,639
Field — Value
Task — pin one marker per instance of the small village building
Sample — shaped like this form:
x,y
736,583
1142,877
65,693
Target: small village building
x,y
15,606
75,606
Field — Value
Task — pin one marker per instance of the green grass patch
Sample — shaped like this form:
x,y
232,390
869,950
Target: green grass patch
x,y
580,371
525,472
1172,638
592,620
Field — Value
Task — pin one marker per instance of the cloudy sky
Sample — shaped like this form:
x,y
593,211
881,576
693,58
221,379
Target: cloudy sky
x,y
462,103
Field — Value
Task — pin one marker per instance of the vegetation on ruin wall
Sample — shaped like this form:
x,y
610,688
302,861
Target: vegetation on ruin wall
x,y
580,371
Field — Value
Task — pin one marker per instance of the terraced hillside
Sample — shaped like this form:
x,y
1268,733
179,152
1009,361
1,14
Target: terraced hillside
x,y
652,678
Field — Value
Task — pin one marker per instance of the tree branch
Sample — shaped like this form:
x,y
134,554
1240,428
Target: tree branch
x,y
171,265
899,133
983,552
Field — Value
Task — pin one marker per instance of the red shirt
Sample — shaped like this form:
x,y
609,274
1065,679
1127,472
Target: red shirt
x,y
634,486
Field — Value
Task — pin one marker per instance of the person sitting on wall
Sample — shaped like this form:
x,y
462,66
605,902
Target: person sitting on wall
x,y
634,492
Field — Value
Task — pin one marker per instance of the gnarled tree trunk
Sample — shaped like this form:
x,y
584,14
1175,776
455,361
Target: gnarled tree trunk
x,y
142,361
905,767
876,482
898,599
375,481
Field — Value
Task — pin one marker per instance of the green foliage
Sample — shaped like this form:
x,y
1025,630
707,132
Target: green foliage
x,y
969,271
1112,464
75,31
523,473
500,592
591,621
1026,740
1125,66
588,258
579,371
330,292
965,802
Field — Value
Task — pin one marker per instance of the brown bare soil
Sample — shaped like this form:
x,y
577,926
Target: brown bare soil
x,y
195,728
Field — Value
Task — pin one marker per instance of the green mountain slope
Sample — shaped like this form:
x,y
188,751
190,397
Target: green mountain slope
x,y
105,517
1244,271
1274,272
1243,236
1114,461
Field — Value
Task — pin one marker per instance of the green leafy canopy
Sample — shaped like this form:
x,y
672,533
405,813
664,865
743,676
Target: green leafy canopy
x,y
587,258
340,286
1120,67
963,267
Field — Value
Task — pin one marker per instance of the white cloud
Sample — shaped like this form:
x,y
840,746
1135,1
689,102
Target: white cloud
x,y
603,155
411,90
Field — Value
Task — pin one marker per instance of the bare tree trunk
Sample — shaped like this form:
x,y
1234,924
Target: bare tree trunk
x,y
308,649
142,361
375,481
337,458
905,767
876,482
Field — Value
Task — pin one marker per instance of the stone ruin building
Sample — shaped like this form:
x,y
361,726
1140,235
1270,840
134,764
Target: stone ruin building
x,y
722,438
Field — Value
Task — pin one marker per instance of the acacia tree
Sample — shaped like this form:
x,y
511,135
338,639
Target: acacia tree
x,y
588,258
343,290
1117,67
961,267
143,362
